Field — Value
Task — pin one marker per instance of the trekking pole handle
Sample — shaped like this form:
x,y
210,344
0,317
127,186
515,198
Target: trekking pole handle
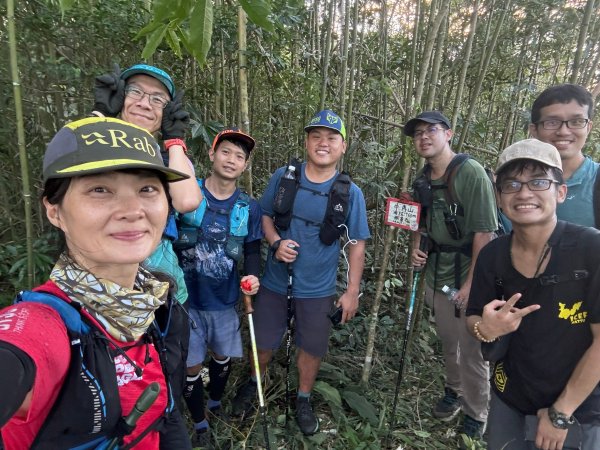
x,y
423,243
248,304
246,285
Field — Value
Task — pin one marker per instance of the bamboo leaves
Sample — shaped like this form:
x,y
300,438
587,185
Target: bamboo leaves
x,y
190,23
258,12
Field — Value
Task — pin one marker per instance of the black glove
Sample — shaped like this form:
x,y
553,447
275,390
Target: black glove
x,y
109,93
175,120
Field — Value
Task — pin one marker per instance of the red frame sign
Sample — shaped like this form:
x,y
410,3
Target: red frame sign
x,y
402,214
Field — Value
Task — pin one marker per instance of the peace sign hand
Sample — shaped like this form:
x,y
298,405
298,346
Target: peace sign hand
x,y
501,317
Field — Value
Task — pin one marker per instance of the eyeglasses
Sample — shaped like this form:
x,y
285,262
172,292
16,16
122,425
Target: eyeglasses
x,y
513,186
429,131
156,100
555,124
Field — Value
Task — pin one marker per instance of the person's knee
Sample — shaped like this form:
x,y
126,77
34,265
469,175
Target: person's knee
x,y
192,371
264,356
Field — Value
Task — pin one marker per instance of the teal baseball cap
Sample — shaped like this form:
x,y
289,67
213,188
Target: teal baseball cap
x,y
327,119
153,72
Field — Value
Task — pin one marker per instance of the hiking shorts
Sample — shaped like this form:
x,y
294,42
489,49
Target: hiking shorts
x,y
218,331
507,430
311,322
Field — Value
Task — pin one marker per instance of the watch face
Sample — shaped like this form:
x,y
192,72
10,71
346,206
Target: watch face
x,y
559,420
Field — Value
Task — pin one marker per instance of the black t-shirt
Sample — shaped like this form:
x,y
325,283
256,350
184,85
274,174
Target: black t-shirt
x,y
549,342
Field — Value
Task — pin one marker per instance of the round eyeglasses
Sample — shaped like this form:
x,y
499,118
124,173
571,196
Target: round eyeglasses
x,y
156,100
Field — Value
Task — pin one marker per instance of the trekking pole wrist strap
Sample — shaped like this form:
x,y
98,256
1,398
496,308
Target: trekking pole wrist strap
x,y
275,246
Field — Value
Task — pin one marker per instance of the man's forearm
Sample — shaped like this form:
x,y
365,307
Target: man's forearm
x,y
356,261
584,379
271,234
479,241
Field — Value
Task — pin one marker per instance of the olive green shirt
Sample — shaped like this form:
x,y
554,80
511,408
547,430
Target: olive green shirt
x,y
473,190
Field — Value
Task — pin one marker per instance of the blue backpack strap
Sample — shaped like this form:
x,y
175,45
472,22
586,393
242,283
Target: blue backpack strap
x,y
194,218
240,215
68,312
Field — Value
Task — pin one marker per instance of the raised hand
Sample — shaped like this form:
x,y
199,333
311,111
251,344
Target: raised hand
x,y
175,120
109,93
501,317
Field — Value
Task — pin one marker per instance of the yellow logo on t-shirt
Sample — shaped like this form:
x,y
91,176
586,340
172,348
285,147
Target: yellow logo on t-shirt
x,y
573,314
500,377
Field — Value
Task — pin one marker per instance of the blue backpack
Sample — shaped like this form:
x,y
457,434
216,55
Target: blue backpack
x,y
238,216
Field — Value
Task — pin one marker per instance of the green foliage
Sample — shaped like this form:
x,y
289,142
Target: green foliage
x,y
190,23
258,12
200,31
13,265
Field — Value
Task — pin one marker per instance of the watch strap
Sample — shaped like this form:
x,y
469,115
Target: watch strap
x,y
558,419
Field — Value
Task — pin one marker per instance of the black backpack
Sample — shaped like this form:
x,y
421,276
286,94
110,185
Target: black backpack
x,y
90,384
337,203
596,200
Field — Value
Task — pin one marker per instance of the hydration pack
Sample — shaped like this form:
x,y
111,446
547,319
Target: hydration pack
x,y
87,412
337,204
423,191
238,216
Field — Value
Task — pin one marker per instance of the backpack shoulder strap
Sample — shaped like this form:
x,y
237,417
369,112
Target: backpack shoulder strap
x,y
596,199
243,198
69,312
451,171
337,209
297,163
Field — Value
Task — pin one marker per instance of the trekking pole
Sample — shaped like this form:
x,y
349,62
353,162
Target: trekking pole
x,y
411,305
261,399
288,342
142,404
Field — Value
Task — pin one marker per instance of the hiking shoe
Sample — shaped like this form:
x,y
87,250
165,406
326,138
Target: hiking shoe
x,y
473,428
307,421
448,406
202,439
243,402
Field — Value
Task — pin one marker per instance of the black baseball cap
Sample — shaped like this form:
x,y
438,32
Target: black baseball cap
x,y
425,116
103,144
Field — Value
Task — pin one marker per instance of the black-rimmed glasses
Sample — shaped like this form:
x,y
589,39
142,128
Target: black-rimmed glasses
x,y
555,124
513,186
156,100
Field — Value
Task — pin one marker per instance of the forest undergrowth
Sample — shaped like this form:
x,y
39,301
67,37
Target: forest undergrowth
x,y
353,416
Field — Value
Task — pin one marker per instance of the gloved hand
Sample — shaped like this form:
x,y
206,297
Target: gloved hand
x,y
109,93
175,120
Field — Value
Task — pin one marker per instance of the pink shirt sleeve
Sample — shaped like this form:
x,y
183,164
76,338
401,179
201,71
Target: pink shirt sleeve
x,y
39,331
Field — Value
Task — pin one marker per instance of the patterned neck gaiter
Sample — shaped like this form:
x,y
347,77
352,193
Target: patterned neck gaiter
x,y
125,313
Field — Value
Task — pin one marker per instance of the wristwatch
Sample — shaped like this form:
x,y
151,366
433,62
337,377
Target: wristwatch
x,y
560,420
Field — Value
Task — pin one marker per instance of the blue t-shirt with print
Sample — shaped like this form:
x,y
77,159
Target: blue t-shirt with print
x,y
211,276
578,206
316,266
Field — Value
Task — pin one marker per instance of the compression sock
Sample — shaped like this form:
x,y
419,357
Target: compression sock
x,y
194,397
304,394
201,426
218,371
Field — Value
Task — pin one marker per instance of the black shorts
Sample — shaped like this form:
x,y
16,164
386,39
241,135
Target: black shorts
x,y
311,321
